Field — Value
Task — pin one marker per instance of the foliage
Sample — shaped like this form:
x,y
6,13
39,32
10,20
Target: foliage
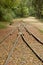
x,y
25,11
10,9
38,6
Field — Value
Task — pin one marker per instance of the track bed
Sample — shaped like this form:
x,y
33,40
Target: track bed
x,y
20,48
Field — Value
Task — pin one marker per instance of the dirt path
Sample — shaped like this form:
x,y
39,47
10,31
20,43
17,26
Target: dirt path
x,y
35,22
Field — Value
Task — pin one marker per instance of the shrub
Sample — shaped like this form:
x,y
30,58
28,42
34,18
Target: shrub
x,y
6,14
25,11
17,11
32,11
7,17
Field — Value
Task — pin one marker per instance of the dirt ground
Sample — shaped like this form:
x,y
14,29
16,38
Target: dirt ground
x,y
32,24
35,22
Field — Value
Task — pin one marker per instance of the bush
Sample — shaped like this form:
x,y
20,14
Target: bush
x,y
25,11
32,11
11,12
17,11
7,17
6,14
21,11
1,12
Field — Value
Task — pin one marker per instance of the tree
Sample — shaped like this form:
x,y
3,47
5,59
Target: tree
x,y
38,5
6,6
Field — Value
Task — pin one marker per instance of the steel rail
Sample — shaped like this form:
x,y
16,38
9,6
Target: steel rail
x,y
30,33
20,30
10,33
31,49
10,53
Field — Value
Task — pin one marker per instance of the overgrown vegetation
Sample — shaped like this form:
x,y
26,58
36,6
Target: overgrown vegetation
x,y
2,25
10,9
38,7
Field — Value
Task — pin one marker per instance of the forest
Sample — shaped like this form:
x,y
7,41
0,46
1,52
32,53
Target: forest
x,y
10,9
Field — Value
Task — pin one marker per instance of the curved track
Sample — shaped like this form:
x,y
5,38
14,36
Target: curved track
x,y
30,33
22,55
32,46
17,48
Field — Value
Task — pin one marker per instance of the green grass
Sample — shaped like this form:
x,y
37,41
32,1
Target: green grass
x,y
2,25
41,31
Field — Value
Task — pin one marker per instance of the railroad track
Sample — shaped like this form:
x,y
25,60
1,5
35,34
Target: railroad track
x,y
20,54
14,43
6,45
7,35
10,53
30,33
30,46
31,49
